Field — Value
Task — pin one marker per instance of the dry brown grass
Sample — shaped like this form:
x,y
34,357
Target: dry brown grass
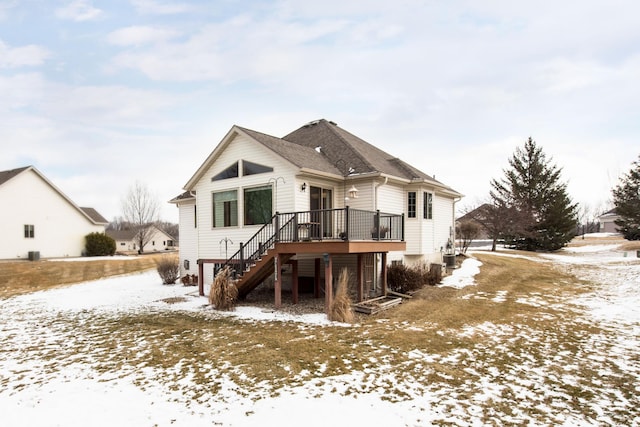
x,y
340,310
263,357
223,292
21,277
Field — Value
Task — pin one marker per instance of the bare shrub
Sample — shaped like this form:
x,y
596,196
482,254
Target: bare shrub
x,y
169,269
223,292
405,279
340,310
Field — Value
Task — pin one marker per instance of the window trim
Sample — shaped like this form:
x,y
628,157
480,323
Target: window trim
x,y
227,211
412,204
427,208
29,231
245,204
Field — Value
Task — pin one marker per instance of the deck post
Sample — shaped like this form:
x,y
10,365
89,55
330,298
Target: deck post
x,y
328,282
294,280
359,278
384,273
346,223
200,278
278,281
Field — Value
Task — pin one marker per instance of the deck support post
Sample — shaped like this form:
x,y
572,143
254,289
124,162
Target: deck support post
x,y
200,278
294,280
328,282
384,273
359,279
278,281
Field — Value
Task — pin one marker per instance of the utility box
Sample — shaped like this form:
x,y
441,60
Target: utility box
x,y
450,260
34,255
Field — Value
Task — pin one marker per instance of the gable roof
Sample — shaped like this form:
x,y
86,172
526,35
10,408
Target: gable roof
x,y
130,233
95,216
7,175
91,214
187,195
324,147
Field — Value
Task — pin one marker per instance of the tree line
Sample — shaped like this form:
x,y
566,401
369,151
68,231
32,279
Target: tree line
x,y
530,209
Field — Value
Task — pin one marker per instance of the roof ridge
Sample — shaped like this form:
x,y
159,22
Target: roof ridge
x,y
328,124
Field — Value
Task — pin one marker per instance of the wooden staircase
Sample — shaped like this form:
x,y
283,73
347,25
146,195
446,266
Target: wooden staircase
x,y
258,272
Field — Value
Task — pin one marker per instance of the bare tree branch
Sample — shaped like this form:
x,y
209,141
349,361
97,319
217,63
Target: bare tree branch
x,y
140,209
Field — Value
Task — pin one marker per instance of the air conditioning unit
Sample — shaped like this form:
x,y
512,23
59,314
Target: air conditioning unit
x,y
34,255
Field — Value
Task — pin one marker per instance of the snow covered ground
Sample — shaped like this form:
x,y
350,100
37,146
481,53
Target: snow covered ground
x,y
42,385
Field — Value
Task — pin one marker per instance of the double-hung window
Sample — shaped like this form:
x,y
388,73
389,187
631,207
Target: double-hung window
x,y
29,231
427,210
411,204
225,209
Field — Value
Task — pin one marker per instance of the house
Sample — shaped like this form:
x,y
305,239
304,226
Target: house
x,y
476,216
127,241
38,220
295,210
607,222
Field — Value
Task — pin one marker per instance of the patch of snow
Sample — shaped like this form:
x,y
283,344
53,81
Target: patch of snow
x,y
463,276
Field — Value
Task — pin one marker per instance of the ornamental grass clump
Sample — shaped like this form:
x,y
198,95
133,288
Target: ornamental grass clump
x,y
168,268
223,292
341,310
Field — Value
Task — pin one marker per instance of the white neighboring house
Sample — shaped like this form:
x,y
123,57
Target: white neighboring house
x,y
158,241
290,195
38,220
607,224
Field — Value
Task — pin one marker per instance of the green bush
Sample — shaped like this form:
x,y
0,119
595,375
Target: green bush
x,y
99,244
404,279
169,269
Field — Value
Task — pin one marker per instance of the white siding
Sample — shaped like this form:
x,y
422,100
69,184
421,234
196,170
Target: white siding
x,y
188,237
210,240
59,227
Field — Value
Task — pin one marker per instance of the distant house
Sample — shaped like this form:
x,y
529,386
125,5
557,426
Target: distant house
x,y
126,241
606,221
476,216
316,200
38,220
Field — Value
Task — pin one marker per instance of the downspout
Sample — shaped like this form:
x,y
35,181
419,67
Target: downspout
x,y
375,192
453,217
375,207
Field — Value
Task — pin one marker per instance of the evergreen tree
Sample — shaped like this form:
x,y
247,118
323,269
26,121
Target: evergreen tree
x,y
534,202
626,197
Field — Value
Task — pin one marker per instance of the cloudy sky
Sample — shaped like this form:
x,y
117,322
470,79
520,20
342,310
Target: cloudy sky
x,y
99,94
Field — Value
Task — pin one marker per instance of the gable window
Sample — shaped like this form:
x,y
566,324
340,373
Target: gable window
x,y
225,209
250,168
258,205
230,172
29,231
411,204
427,210
195,216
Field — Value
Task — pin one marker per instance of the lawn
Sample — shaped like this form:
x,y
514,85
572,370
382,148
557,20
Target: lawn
x,y
533,339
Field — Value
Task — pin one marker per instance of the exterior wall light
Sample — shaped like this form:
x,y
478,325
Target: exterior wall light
x,y
353,192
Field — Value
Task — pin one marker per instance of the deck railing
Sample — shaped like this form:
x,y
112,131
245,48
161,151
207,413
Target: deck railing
x,y
318,225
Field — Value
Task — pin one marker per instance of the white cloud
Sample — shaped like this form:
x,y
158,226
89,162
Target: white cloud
x,y
154,7
79,10
30,55
140,35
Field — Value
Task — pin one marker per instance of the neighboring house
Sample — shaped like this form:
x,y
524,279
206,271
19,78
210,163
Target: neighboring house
x,y
126,240
473,216
38,220
313,199
607,224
